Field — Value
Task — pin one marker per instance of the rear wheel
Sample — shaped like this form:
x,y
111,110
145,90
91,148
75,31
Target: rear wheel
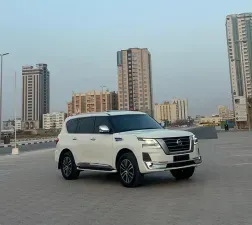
x,y
128,170
182,174
68,167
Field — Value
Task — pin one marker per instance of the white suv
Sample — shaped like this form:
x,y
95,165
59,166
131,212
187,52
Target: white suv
x,y
130,143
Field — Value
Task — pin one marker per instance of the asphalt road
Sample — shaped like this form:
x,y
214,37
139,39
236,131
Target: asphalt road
x,y
220,193
25,148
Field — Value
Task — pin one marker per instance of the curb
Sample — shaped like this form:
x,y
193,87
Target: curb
x,y
28,143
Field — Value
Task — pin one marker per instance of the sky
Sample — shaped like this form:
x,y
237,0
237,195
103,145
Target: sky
x,y
79,39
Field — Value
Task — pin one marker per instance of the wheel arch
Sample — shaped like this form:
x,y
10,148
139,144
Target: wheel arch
x,y
122,152
61,156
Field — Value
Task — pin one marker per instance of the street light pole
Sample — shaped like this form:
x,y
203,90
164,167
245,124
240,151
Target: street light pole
x,y
1,92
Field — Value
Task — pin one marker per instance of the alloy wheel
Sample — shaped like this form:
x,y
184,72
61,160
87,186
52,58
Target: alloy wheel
x,y
67,166
126,171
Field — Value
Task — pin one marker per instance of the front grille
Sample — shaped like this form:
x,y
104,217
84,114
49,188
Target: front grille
x,y
178,144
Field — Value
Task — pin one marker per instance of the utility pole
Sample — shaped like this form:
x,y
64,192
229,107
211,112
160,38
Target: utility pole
x,y
1,92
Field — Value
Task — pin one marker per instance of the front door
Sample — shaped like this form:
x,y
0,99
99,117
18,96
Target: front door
x,y
102,147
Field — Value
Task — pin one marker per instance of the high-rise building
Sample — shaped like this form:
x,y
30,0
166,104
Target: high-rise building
x,y
182,111
239,44
92,101
135,80
35,95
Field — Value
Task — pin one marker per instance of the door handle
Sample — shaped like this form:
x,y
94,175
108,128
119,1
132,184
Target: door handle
x,y
74,138
93,139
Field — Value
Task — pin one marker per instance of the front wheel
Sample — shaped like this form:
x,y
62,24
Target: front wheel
x,y
182,174
128,170
68,167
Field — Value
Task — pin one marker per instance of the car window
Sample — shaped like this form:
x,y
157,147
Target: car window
x,y
122,123
101,120
86,125
71,125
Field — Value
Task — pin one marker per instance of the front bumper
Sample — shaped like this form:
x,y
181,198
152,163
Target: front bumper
x,y
159,161
152,166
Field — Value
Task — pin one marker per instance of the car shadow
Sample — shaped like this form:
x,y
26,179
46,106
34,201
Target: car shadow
x,y
156,179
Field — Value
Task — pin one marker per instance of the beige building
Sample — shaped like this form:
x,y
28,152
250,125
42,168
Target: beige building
x,y
239,45
135,80
182,111
177,109
53,120
225,113
35,95
215,120
92,101
166,112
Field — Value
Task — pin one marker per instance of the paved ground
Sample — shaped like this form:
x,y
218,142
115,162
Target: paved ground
x,y
28,147
220,193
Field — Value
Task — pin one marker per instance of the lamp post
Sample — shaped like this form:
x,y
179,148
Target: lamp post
x,y
1,92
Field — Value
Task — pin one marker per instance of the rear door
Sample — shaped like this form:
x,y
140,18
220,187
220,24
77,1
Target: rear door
x,y
84,139
103,142
69,139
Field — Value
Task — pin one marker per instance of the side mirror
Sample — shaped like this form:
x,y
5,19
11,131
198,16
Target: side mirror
x,y
162,124
104,129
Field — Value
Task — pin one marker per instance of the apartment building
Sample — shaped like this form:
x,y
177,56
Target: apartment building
x,y
92,101
172,111
239,44
225,113
10,124
182,108
135,80
166,112
35,95
53,120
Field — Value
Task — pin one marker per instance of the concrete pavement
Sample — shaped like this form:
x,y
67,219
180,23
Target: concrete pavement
x,y
220,193
28,147
27,142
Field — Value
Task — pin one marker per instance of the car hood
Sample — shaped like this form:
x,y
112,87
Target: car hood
x,y
158,133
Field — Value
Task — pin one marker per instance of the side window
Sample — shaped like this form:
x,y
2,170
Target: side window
x,y
71,126
86,125
101,120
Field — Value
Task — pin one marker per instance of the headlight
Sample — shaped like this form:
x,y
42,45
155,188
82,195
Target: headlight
x,y
195,140
148,142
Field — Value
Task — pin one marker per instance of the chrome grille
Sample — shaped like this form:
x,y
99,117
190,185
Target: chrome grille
x,y
178,144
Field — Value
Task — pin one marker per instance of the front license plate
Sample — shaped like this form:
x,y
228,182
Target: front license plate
x,y
178,158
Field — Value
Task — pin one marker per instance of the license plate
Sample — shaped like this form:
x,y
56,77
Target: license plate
x,y
178,158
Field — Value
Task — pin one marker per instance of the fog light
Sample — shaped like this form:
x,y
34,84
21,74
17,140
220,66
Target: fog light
x,y
156,165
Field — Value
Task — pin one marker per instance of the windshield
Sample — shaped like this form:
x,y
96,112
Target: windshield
x,y
124,123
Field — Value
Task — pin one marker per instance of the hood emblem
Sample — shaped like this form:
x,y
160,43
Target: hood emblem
x,y
179,142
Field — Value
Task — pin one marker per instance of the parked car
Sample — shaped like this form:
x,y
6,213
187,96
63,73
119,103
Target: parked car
x,y
129,143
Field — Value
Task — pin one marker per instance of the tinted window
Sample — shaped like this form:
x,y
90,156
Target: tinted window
x,y
101,120
86,125
71,125
133,122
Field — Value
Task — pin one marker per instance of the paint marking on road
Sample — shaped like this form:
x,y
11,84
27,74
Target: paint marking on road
x,y
233,147
241,164
241,155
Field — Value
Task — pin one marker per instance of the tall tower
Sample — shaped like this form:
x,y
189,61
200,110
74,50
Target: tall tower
x,y
35,95
135,80
239,44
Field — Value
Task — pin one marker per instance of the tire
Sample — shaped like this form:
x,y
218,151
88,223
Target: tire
x,y
128,171
68,167
183,174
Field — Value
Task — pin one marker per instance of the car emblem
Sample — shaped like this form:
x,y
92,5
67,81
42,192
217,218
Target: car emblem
x,y
179,142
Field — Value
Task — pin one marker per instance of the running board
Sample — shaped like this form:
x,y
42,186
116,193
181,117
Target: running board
x,y
95,167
